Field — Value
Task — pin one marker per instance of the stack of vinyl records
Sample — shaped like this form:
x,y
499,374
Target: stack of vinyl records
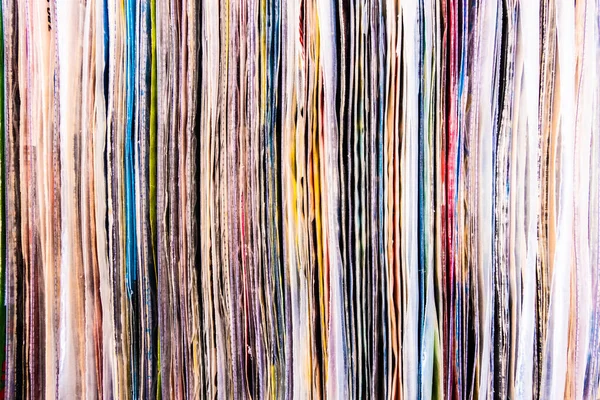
x,y
301,199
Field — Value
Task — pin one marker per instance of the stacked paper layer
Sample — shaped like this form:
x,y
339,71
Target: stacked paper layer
x,y
300,199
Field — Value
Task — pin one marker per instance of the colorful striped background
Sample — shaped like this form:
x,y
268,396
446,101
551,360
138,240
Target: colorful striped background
x,y
300,199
